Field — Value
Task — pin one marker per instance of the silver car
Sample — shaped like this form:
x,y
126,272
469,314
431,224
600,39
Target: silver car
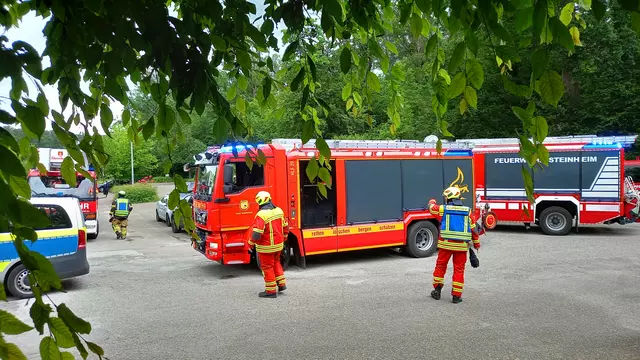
x,y
163,213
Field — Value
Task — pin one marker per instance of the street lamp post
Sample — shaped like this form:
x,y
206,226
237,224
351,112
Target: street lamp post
x,y
132,174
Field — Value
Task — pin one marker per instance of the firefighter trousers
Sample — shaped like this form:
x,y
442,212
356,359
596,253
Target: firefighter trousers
x,y
459,262
120,226
271,271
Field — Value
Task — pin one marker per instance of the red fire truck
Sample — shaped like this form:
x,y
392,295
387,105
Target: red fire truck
x,y
583,184
53,184
378,197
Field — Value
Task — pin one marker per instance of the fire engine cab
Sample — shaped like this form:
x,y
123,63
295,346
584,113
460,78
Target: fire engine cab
x,y
584,183
377,196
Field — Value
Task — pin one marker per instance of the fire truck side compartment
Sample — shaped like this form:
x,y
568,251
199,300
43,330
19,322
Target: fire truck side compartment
x,y
421,181
317,211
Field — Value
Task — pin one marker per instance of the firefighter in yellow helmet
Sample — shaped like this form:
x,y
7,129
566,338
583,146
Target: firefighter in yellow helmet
x,y
120,210
270,230
457,229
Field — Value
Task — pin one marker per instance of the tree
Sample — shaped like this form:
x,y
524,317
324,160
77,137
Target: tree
x,y
119,165
203,52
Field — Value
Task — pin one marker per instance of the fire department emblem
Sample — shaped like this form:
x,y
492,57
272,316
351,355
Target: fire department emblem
x,y
459,183
244,204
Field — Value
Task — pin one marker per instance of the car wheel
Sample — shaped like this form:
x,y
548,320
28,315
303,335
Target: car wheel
x,y
556,221
422,239
158,219
174,227
167,220
18,282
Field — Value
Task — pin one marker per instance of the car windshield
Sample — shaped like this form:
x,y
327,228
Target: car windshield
x,y
206,179
56,186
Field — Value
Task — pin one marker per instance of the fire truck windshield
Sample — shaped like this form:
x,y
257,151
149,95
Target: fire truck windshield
x,y
206,179
56,186
633,171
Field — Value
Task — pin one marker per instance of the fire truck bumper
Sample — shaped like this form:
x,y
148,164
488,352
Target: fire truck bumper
x,y
92,226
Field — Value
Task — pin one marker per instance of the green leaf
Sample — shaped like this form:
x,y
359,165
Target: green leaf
x,y
550,87
295,84
94,348
184,116
373,82
174,198
66,356
180,183
312,169
267,27
397,72
290,51
528,183
500,31
539,62
345,60
241,105
472,41
471,96
416,25
5,118
515,89
266,88
243,59
10,325
635,23
424,6
458,85
463,106
561,33
334,9
68,171
308,129
242,82
349,104
431,45
543,154
522,114
457,57
39,313
61,332
575,35
148,128
126,116
312,68
33,119
81,349
323,148
231,93
599,9
30,215
325,176
346,91
106,118
322,190
10,351
475,74
43,103
357,98
49,349
439,146
391,47
541,129
10,163
445,75
20,186
524,19
566,14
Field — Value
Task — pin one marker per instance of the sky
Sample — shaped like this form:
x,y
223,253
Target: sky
x,y
30,31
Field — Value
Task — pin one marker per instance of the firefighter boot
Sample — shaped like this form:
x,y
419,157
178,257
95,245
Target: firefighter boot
x,y
436,292
118,236
265,294
456,299
282,288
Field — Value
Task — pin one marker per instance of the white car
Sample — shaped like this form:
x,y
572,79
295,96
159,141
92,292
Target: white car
x,y
163,213
64,242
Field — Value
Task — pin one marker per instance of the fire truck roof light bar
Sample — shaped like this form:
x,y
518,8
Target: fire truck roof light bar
x,y
624,140
291,144
603,146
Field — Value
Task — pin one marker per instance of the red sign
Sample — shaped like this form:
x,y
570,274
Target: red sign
x,y
89,206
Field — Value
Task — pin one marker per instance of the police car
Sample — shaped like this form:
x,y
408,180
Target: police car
x,y
63,242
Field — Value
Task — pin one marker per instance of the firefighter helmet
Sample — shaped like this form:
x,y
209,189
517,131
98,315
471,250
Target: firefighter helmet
x,y
451,193
122,193
263,197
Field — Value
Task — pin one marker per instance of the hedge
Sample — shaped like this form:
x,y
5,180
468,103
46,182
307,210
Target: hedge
x,y
138,193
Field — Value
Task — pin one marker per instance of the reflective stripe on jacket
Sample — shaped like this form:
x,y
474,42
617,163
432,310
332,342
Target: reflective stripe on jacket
x,y
270,229
456,223
122,207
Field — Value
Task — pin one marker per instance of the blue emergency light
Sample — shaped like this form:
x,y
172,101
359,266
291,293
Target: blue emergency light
x,y
228,149
458,153
615,145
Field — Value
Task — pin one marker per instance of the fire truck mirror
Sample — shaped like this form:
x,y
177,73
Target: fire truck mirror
x,y
228,174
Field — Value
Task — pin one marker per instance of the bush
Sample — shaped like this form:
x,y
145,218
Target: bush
x,y
138,193
162,179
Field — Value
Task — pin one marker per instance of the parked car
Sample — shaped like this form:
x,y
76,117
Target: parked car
x,y
163,213
64,242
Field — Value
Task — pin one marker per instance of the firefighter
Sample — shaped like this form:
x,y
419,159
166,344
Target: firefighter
x,y
270,230
120,209
457,229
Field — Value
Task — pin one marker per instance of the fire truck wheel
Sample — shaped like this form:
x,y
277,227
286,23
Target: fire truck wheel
x,y
285,257
556,221
422,239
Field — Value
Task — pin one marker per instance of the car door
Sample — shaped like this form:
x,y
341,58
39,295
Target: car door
x,y
162,207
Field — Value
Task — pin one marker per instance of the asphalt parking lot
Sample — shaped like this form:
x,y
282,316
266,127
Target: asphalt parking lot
x,y
533,297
